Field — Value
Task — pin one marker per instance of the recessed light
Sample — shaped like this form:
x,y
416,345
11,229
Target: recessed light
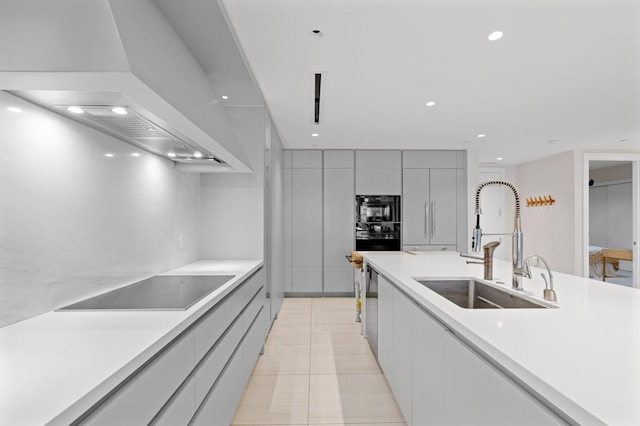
x,y
554,141
317,32
14,109
496,35
624,140
197,155
171,154
499,158
315,135
119,111
225,97
135,154
108,155
481,135
211,159
75,110
430,103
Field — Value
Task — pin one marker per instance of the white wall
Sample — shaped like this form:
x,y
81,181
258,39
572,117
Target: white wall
x,y
74,222
553,231
232,205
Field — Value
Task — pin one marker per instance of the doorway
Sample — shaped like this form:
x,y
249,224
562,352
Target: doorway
x,y
611,218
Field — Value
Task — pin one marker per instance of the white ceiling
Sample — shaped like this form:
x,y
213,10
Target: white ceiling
x,y
566,71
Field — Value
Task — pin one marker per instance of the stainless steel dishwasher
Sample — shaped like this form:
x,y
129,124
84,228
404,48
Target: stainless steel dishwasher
x,y
371,309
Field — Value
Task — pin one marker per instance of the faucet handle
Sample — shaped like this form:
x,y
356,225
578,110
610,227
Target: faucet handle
x,y
526,269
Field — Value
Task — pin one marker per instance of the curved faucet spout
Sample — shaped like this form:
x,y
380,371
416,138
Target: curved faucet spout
x,y
549,293
516,249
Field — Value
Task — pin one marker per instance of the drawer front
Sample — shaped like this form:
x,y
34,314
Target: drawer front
x,y
252,345
214,362
220,405
252,285
142,397
181,407
252,309
209,330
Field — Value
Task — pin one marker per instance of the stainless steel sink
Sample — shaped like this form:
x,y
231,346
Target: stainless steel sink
x,y
474,294
162,292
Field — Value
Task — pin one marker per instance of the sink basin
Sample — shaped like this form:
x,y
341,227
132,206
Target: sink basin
x,y
474,294
162,292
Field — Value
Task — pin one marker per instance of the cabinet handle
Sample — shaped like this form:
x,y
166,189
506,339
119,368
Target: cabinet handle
x,y
426,219
433,218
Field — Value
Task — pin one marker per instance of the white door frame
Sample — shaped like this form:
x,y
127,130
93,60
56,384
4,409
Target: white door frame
x,y
635,185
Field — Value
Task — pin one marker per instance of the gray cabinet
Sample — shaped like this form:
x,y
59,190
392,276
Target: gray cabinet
x,y
306,229
199,377
378,173
339,199
430,206
400,357
385,325
428,375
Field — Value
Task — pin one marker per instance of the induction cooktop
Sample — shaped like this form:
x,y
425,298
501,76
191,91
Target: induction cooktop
x,y
162,292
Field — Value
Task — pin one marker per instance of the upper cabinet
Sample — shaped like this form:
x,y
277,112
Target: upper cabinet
x,y
339,159
430,160
306,159
378,172
378,160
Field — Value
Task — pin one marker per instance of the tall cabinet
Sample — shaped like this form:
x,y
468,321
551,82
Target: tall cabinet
x,y
303,187
338,229
433,184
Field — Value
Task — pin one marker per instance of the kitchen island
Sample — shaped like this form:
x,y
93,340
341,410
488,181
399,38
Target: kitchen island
x,y
577,362
64,367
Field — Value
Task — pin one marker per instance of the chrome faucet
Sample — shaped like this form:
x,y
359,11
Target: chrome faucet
x,y
516,249
549,294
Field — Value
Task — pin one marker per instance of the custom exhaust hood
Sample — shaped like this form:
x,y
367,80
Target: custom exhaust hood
x,y
120,67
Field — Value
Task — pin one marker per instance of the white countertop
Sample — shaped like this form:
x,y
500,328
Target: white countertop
x,y
583,357
55,366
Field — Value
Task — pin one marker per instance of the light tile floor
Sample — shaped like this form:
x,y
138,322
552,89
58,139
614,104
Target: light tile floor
x,y
317,369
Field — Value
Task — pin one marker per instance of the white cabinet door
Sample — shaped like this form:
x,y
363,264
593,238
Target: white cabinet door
x,y
306,218
429,159
401,378
339,159
338,279
476,393
339,217
443,192
378,181
378,159
416,221
428,370
385,325
430,203
306,233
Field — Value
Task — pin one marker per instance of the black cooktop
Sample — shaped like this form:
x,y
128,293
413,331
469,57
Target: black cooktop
x,y
162,292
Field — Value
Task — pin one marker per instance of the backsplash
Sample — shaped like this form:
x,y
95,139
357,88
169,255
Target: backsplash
x,y
83,212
